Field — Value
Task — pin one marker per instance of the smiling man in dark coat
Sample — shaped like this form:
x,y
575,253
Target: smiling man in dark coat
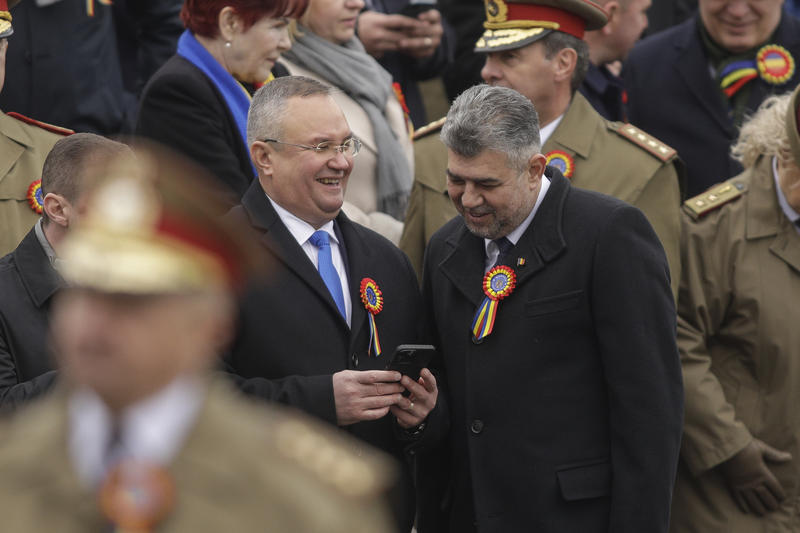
x,y
554,316
306,337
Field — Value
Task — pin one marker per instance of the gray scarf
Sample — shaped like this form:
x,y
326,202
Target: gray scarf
x,y
349,68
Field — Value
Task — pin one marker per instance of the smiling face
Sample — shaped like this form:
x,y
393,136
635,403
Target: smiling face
x,y
739,25
333,20
493,198
253,52
308,184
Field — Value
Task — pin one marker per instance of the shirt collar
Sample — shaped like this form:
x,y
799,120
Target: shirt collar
x,y
40,236
299,228
153,430
790,213
516,234
548,130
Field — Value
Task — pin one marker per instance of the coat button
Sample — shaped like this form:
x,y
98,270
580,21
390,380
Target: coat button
x,y
354,360
477,426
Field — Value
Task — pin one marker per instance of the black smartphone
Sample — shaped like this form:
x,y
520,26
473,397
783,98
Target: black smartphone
x,y
410,359
414,9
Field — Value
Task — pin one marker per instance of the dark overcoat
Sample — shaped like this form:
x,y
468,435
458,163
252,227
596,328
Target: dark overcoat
x,y
27,285
292,337
568,416
672,96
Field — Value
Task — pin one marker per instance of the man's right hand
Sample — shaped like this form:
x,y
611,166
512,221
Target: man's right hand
x,y
381,33
754,487
366,395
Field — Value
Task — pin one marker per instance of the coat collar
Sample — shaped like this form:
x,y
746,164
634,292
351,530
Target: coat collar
x,y
38,276
578,129
277,238
541,243
765,218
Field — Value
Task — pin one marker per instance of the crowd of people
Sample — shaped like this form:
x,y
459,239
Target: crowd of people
x,y
225,221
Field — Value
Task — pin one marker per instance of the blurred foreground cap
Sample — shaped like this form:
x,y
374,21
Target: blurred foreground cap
x,y
793,125
511,25
5,17
153,225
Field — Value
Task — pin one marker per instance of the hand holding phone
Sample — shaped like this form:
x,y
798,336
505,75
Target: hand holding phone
x,y
410,359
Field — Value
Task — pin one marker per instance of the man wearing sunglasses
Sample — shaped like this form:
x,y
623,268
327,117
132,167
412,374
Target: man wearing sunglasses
x,y
319,334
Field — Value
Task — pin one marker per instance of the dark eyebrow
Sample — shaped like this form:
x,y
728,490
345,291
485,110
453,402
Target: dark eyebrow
x,y
479,181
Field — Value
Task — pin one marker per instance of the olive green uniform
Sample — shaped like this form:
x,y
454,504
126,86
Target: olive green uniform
x,y
609,157
23,149
242,468
739,341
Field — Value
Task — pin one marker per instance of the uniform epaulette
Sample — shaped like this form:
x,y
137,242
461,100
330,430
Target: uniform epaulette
x,y
712,199
331,461
44,125
644,140
434,126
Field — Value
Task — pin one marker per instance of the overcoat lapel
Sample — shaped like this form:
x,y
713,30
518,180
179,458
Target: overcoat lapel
x,y
359,259
281,243
693,68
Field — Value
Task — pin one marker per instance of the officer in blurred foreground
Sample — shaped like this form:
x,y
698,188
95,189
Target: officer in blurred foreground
x,y
139,436
738,337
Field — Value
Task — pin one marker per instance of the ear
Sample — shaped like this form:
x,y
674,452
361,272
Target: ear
x,y
58,209
564,64
613,10
536,166
228,23
261,155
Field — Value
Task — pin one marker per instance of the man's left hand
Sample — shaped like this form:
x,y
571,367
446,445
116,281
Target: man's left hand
x,y
423,40
414,409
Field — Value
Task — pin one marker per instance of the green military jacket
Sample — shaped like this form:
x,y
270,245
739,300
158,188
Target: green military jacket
x,y
242,468
23,149
739,342
608,157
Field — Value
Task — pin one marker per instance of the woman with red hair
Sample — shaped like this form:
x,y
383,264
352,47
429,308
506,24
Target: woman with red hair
x,y
197,102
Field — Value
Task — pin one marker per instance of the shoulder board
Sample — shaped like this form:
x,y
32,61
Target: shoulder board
x,y
332,461
44,125
434,126
644,140
713,199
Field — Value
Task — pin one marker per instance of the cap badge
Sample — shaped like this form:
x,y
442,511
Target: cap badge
x,y
562,161
498,283
35,199
496,11
372,298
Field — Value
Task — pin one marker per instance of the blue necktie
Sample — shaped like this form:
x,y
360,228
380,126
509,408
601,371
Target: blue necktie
x,y
329,275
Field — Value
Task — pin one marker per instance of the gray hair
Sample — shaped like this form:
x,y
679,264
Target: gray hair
x,y
557,41
493,118
268,108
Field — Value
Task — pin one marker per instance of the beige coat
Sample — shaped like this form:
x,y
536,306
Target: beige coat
x,y
633,167
739,341
243,468
23,149
362,188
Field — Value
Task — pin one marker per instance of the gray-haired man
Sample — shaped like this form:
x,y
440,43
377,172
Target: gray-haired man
x,y
554,316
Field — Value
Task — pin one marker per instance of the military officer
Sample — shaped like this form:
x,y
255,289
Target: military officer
x,y
738,338
140,437
524,52
24,143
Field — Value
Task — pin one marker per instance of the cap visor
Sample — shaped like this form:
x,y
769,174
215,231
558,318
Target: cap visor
x,y
508,39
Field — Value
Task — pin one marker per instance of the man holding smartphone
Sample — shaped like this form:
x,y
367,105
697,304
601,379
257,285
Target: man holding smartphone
x,y
319,335
555,320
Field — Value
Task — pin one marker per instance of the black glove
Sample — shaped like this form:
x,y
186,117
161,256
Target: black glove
x,y
754,487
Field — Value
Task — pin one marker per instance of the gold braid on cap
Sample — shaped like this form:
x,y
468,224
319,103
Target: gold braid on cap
x,y
5,15
520,24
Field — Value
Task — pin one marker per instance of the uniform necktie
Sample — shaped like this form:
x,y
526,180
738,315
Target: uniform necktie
x,y
321,240
503,246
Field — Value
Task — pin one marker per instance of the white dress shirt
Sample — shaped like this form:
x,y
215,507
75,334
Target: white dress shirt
x,y
152,431
491,248
302,231
547,131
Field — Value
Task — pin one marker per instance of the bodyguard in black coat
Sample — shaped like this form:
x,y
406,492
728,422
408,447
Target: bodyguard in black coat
x,y
294,345
27,285
672,96
566,416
